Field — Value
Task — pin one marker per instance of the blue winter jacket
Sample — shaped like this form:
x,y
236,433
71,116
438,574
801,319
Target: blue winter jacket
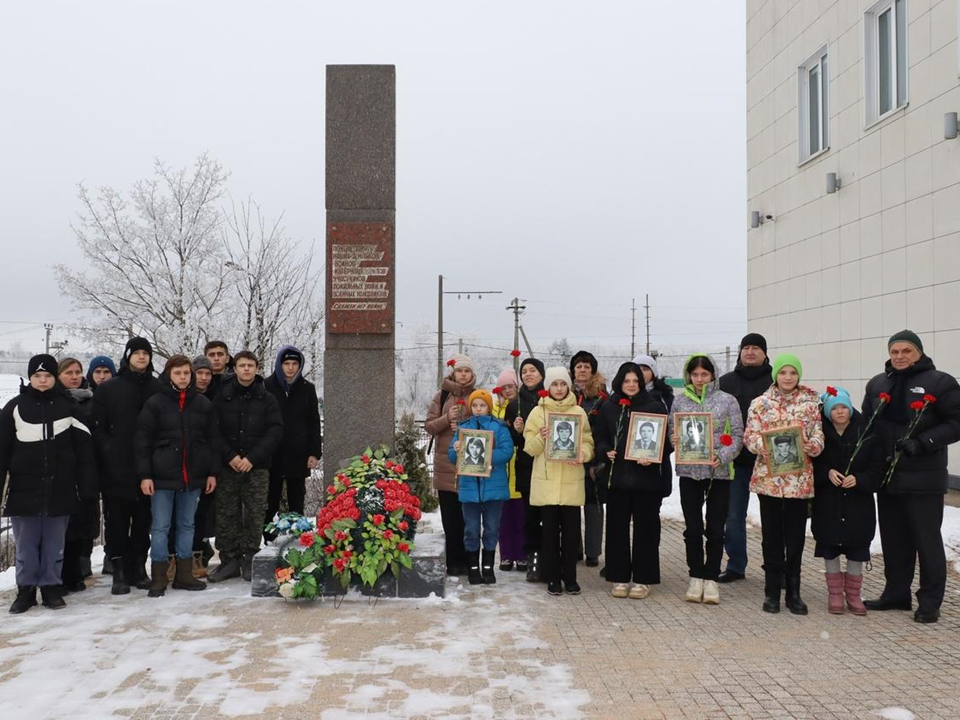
x,y
497,486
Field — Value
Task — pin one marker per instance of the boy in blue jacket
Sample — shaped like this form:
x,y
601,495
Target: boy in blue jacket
x,y
481,497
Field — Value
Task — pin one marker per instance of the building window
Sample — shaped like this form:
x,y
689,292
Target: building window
x,y
814,84
885,41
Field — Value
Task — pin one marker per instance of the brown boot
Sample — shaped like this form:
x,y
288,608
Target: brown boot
x,y
199,569
159,575
171,568
851,588
184,579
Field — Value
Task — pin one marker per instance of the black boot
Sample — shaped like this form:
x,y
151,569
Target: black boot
x,y
136,574
26,599
473,570
52,597
225,570
533,567
85,569
792,600
771,593
246,567
119,586
486,568
107,566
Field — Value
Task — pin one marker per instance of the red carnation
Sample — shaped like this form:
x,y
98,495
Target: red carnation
x,y
831,390
340,535
365,459
307,539
726,440
329,549
403,525
387,534
515,353
929,398
403,547
916,405
498,390
388,464
339,564
451,363
543,393
884,397
378,520
461,401
398,469
625,402
347,554
331,489
346,482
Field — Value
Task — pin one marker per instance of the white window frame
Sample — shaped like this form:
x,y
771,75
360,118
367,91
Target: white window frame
x,y
899,92
819,59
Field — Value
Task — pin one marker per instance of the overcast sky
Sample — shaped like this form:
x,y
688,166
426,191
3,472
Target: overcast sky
x,y
574,154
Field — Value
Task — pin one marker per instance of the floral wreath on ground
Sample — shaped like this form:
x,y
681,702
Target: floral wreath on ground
x,y
364,530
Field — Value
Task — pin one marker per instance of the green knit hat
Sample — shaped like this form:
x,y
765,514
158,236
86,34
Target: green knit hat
x,y
907,336
782,361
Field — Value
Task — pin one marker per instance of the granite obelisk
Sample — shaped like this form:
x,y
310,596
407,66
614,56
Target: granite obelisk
x,y
359,362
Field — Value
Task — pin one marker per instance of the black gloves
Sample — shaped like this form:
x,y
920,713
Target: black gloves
x,y
911,447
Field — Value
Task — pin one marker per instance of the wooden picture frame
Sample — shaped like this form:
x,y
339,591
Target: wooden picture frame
x,y
785,455
564,441
695,438
637,437
471,463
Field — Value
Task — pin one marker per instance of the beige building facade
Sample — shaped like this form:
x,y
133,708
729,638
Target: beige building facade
x,y
859,91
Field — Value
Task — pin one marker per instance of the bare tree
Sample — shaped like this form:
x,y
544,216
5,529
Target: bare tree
x,y
157,267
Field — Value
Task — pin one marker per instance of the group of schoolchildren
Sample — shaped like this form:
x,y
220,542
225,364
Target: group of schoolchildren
x,y
530,504
204,450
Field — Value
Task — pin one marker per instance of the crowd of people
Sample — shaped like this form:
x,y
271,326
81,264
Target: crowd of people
x,y
206,449
805,454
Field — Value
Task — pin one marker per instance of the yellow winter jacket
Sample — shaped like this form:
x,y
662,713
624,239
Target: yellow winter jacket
x,y
556,483
499,411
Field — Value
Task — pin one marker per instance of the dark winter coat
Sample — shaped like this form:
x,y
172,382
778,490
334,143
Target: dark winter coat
x,y
663,393
85,523
626,474
939,426
438,426
46,455
745,384
846,517
177,445
116,405
596,490
251,424
301,424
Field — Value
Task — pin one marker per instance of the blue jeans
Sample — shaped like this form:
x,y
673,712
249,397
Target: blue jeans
x,y
163,503
735,533
487,514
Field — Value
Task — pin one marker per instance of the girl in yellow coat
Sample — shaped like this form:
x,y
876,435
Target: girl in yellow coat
x,y
556,486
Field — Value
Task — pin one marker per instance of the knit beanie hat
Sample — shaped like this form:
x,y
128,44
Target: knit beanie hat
x,y
538,364
101,361
907,336
481,394
556,373
137,343
648,362
754,339
42,363
508,377
831,401
201,362
782,361
583,356
462,361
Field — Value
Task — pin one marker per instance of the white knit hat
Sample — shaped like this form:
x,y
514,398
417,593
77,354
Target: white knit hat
x,y
556,373
648,361
462,361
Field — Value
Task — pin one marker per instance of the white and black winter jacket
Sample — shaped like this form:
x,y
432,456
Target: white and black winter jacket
x,y
46,455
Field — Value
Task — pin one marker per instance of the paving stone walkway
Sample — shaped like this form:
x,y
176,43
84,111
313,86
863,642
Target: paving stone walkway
x,y
506,651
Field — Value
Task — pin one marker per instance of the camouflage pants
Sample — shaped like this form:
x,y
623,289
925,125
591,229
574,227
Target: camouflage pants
x,y
241,503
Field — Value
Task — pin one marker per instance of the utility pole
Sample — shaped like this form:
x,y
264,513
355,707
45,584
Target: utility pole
x,y
516,307
633,327
440,293
49,328
728,358
647,306
460,346
525,342
52,345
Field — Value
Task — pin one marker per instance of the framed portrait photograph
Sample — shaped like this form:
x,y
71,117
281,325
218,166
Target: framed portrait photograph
x,y
645,437
695,435
564,435
785,448
475,458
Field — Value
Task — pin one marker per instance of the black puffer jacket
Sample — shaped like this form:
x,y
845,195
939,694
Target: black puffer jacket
x,y
746,384
596,489
46,455
663,393
251,425
627,474
527,399
116,405
301,426
85,523
939,426
841,516
177,443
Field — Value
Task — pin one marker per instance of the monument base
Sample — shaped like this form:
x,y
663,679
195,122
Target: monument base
x,y
428,574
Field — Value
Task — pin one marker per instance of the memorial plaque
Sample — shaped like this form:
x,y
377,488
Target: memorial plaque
x,y
360,278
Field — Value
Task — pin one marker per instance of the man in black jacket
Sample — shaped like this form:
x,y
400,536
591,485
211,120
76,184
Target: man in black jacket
x,y
251,428
116,405
747,381
910,504
301,447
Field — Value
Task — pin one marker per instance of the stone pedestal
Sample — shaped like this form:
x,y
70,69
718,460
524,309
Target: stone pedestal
x,y
427,575
359,359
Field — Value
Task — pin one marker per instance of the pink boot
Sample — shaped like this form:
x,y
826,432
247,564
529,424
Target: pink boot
x,y
851,586
835,590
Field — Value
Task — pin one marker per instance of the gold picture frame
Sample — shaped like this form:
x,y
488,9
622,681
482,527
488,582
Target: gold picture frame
x,y
475,458
785,454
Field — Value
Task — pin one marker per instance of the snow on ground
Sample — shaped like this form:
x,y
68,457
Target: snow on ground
x,y
9,387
